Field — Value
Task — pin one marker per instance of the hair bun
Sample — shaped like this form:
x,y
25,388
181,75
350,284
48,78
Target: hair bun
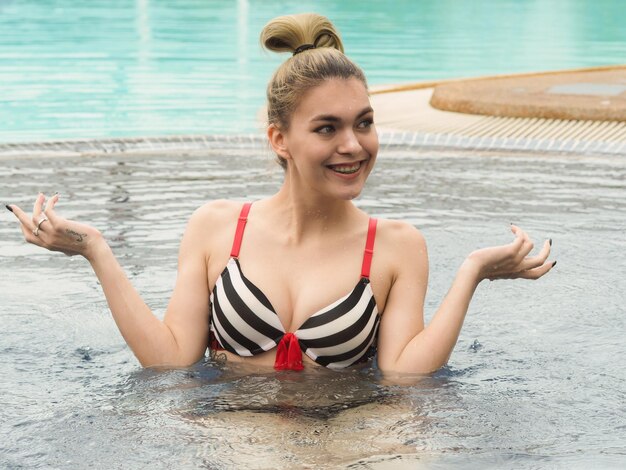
x,y
288,33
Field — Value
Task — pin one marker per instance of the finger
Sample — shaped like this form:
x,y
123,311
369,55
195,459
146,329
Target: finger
x,y
24,219
42,221
49,210
536,273
517,231
29,236
37,208
540,258
523,247
519,238
512,253
526,248
52,202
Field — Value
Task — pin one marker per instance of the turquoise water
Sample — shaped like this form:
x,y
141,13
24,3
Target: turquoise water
x,y
90,69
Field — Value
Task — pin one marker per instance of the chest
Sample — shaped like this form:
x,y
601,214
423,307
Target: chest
x,y
300,281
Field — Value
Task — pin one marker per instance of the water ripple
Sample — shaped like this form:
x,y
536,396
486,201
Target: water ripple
x,y
532,358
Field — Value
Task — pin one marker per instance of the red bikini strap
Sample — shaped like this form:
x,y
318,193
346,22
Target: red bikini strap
x,y
369,249
241,225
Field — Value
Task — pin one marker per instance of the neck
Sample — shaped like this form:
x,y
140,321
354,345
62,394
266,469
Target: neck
x,y
305,215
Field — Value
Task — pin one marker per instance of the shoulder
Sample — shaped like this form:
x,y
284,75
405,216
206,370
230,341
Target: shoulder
x,y
214,214
217,210
399,235
210,230
401,247
212,220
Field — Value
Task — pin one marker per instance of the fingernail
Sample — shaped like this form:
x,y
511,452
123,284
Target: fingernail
x,y
8,207
554,264
550,242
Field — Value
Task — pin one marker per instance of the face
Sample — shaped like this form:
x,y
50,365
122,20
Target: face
x,y
331,144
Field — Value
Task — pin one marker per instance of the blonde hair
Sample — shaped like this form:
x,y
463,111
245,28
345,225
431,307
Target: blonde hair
x,y
307,68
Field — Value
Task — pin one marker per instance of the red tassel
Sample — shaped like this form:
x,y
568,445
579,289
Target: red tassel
x,y
288,354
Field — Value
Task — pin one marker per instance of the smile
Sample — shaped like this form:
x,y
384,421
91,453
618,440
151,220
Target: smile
x,y
346,168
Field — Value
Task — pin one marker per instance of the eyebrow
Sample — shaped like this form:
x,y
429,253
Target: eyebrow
x,y
331,118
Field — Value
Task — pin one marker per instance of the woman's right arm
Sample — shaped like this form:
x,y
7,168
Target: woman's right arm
x,y
182,337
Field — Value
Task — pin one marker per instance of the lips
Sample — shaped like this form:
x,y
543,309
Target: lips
x,y
346,168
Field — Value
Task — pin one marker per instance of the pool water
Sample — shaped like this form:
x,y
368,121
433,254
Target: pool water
x,y
109,68
535,381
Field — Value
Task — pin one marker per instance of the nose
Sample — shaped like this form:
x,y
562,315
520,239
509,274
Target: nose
x,y
349,143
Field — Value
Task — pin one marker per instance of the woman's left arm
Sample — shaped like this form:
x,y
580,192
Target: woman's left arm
x,y
404,344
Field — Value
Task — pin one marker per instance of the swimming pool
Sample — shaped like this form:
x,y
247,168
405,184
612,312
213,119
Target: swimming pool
x,y
536,380
93,69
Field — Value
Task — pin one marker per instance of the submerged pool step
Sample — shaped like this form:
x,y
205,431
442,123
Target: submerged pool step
x,y
484,133
534,136
606,131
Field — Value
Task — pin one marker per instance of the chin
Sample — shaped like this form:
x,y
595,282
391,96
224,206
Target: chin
x,y
350,195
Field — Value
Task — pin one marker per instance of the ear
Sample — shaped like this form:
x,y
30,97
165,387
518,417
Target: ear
x,y
278,141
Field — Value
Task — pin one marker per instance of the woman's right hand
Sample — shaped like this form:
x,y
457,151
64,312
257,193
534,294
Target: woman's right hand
x,y
48,230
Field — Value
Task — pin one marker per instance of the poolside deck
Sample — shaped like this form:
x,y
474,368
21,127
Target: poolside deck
x,y
575,110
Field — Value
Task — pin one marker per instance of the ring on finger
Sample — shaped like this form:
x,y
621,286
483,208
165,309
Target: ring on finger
x,y
42,219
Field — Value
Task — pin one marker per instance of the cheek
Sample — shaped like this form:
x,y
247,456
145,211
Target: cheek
x,y
371,145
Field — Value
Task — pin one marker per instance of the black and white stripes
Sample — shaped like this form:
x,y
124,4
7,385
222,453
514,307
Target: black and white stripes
x,y
245,323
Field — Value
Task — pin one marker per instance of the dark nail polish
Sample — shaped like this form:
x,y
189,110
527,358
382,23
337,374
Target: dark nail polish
x,y
550,242
554,264
8,207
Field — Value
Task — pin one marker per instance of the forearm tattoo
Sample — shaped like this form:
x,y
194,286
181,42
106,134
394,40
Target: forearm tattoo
x,y
217,356
78,237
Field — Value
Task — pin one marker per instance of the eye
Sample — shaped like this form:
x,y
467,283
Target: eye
x,y
326,129
365,123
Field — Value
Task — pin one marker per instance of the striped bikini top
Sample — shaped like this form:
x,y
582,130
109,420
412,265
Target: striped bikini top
x,y
244,322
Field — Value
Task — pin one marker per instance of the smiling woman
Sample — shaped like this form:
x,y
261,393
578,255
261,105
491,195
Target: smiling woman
x,y
329,281
331,138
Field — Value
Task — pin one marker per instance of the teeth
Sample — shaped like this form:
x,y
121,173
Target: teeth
x,y
346,169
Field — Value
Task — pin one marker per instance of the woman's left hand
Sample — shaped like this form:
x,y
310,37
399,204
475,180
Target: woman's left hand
x,y
511,261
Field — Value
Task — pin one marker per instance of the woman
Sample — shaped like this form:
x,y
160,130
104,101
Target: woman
x,y
302,249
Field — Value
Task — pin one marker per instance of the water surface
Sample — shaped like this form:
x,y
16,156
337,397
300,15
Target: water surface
x,y
107,68
536,379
